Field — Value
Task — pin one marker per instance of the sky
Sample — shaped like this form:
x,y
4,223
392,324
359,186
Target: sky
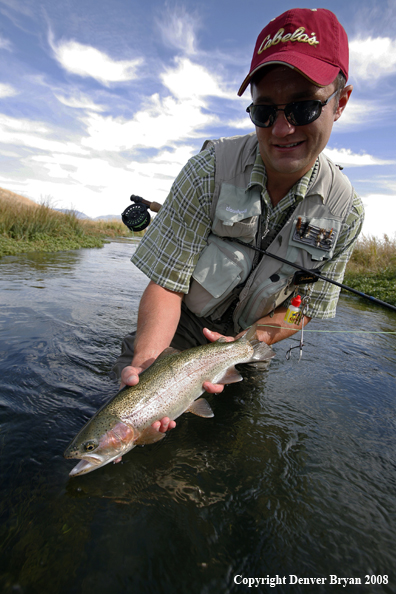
x,y
101,99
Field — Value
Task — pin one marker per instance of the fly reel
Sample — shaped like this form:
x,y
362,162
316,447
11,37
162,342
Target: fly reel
x,y
136,216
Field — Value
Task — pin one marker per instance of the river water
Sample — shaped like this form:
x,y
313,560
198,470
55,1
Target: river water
x,y
293,479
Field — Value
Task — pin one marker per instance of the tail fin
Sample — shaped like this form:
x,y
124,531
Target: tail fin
x,y
262,352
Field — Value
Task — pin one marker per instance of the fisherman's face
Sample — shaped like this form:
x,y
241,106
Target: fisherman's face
x,y
290,151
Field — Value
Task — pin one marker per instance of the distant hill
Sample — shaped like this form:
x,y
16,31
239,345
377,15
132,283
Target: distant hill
x,y
79,215
108,218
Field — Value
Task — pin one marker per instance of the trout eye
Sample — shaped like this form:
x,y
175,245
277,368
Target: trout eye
x,y
89,446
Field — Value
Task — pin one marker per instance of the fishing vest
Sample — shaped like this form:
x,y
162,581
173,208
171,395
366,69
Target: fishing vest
x,y
225,271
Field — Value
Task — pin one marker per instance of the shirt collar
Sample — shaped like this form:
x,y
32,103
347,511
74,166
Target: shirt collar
x,y
258,177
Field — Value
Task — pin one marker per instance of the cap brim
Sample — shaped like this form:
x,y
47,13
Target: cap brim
x,y
317,71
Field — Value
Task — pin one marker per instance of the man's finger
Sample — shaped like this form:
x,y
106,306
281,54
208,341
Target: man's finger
x,y
213,388
129,376
213,336
163,425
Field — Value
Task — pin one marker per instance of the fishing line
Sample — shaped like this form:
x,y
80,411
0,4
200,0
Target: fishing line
x,y
302,330
331,331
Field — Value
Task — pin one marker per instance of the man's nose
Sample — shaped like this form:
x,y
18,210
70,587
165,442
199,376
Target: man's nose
x,y
282,127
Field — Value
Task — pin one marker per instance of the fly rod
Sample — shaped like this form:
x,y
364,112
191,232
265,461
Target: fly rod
x,y
136,217
312,273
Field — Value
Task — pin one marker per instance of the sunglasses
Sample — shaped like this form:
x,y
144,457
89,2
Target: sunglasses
x,y
298,113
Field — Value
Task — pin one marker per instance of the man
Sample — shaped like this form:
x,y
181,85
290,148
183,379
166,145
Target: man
x,y
273,189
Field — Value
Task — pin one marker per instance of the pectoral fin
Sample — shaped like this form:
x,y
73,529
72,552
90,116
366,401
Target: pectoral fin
x,y
149,435
231,376
201,408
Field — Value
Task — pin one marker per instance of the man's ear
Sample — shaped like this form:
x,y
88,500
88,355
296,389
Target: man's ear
x,y
342,102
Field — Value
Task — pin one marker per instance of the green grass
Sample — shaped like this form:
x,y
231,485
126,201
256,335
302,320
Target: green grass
x,y
39,228
372,268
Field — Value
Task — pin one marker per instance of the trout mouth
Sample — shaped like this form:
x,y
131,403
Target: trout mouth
x,y
89,464
95,452
84,466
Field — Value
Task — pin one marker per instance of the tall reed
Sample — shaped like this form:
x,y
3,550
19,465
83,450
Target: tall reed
x,y
373,255
26,228
372,268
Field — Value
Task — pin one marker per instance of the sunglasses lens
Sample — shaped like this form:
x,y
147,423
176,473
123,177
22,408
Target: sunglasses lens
x,y
298,113
262,115
302,113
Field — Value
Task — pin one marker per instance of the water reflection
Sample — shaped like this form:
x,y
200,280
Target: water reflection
x,y
295,474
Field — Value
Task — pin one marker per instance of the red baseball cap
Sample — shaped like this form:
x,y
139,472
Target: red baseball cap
x,y
310,40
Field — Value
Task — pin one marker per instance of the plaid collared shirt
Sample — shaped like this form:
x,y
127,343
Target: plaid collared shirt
x,y
169,250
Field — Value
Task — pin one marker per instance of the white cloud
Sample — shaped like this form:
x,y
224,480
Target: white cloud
x,y
163,121
372,58
178,30
6,153
87,61
345,157
189,80
5,43
243,124
104,174
380,215
7,91
165,166
79,102
100,183
389,182
33,134
358,111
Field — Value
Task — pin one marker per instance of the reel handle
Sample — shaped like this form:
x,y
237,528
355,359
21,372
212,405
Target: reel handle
x,y
153,206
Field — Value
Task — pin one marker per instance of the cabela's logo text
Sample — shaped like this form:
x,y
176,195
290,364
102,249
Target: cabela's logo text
x,y
298,35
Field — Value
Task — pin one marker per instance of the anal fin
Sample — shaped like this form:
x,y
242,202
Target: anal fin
x,y
201,408
231,376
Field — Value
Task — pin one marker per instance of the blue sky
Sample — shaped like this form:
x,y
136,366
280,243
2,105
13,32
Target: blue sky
x,y
101,99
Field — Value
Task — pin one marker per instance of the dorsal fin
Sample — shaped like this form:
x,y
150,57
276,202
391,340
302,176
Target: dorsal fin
x,y
167,352
250,334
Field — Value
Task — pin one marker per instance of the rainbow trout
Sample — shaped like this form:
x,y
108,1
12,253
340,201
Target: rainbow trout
x,y
171,386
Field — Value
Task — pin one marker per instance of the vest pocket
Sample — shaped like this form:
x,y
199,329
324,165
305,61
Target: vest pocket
x,y
237,212
220,268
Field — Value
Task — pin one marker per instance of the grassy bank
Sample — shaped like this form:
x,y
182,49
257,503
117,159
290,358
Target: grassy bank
x,y
372,268
26,228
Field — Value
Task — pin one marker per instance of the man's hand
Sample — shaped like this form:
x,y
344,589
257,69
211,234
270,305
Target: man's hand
x,y
212,337
130,377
